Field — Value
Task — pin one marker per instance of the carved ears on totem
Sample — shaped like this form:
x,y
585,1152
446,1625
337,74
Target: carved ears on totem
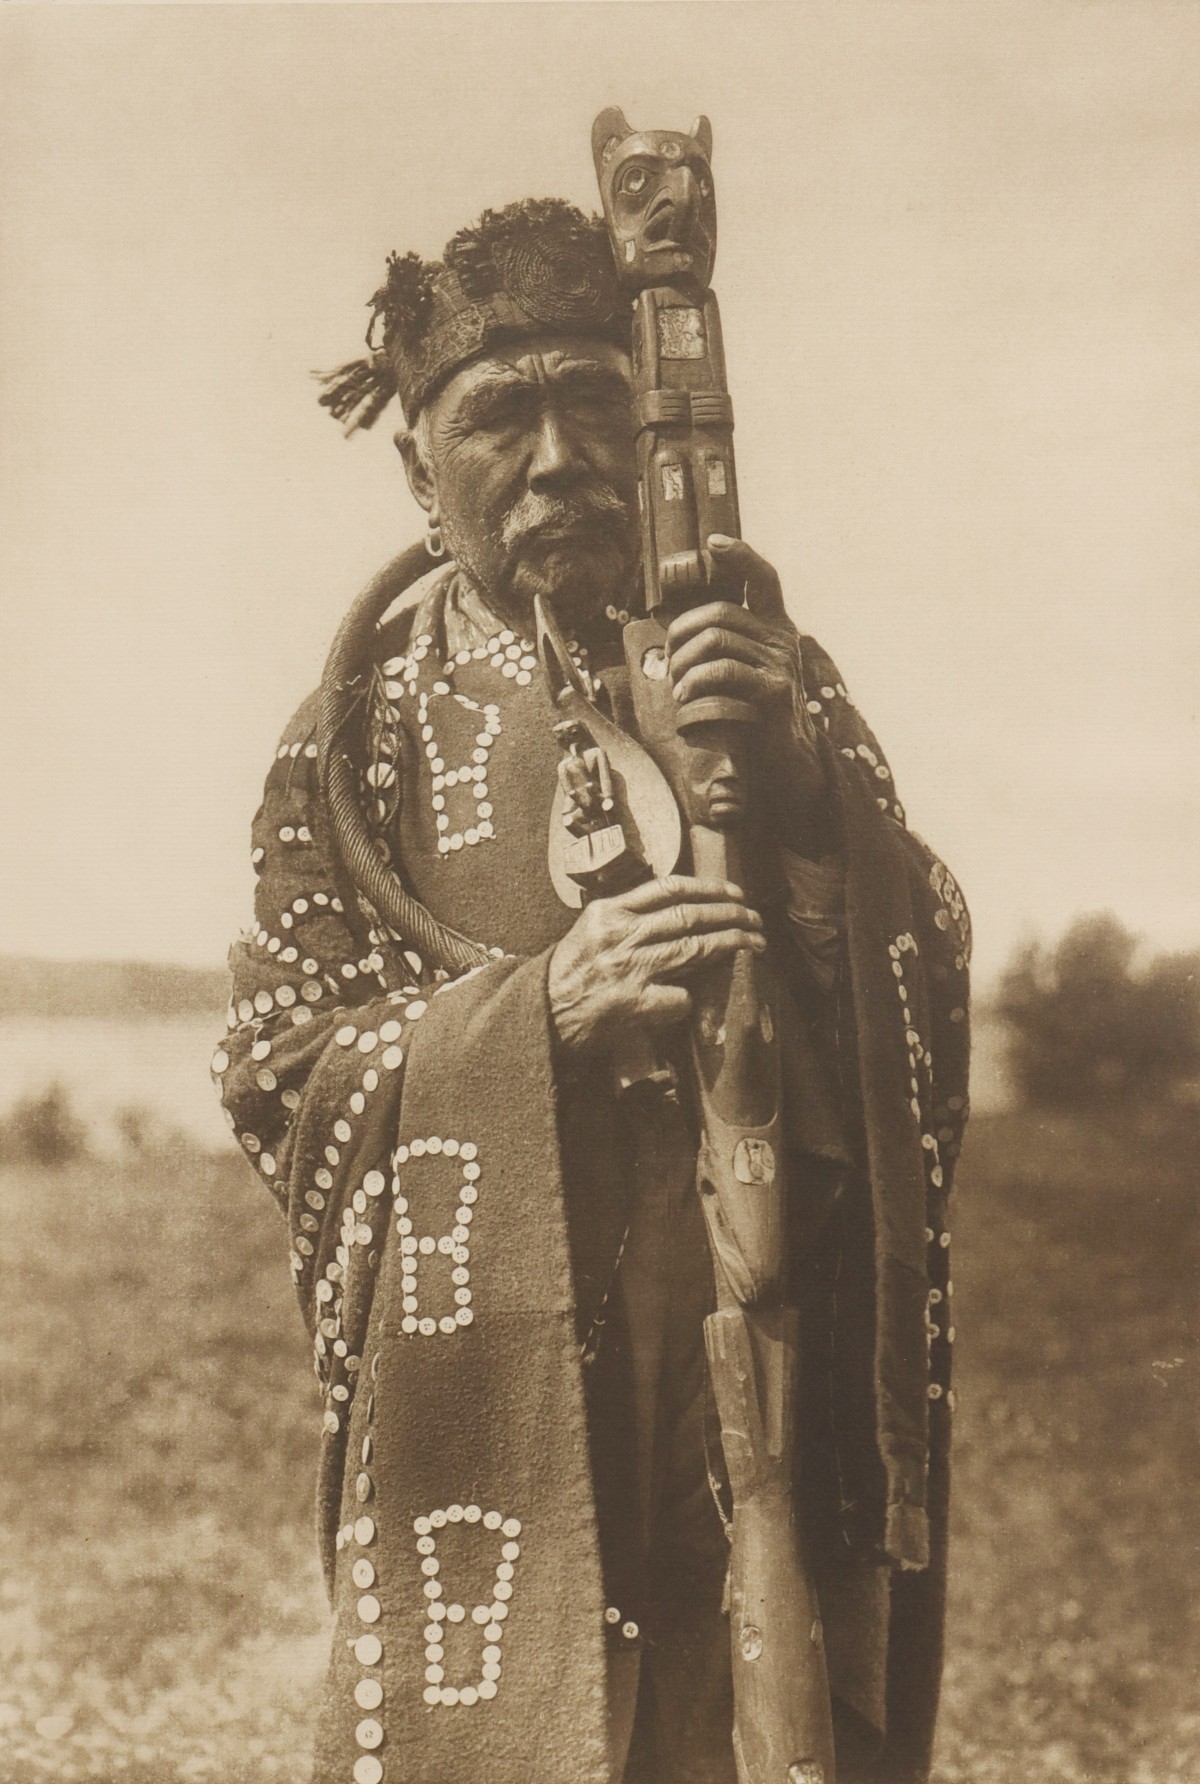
x,y
608,133
612,127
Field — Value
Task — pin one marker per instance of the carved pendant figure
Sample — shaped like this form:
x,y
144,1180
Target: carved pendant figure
x,y
614,820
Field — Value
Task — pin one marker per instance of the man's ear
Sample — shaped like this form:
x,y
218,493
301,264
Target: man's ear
x,y
420,477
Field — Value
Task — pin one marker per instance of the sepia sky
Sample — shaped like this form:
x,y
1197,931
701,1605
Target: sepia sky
x,y
960,284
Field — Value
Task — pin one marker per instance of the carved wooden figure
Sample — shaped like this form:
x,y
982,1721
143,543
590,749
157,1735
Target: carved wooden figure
x,y
657,191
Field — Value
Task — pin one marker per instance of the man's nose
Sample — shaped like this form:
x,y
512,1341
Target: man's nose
x,y
557,458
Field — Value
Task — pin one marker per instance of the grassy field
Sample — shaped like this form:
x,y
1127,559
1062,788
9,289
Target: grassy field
x,y
161,1618
1075,1616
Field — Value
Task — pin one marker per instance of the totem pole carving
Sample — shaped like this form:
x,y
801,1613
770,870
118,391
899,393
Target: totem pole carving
x,y
657,191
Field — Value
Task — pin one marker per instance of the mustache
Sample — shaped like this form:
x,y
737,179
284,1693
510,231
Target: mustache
x,y
532,514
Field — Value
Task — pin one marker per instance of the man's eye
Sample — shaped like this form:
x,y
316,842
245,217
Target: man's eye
x,y
499,418
605,401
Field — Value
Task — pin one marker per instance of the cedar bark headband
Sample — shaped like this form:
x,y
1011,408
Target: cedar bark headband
x,y
538,264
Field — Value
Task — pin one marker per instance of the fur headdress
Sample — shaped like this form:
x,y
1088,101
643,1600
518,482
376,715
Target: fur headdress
x,y
536,265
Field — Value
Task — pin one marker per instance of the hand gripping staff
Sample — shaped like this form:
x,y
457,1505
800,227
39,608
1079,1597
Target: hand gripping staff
x,y
657,191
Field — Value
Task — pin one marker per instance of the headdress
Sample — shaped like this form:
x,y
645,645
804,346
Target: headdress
x,y
536,265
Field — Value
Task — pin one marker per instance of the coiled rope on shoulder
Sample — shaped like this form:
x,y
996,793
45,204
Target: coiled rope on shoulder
x,y
342,707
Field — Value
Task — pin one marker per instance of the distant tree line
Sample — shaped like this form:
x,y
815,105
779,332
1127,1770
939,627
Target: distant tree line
x,y
1090,1021
45,1128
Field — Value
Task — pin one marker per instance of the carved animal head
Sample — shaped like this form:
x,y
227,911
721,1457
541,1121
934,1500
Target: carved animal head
x,y
657,191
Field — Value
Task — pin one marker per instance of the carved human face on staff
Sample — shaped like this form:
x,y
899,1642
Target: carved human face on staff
x,y
716,791
526,461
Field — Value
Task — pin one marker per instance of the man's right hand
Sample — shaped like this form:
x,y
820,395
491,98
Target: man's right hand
x,y
617,968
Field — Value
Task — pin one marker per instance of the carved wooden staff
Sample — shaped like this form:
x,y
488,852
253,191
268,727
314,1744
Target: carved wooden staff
x,y
657,191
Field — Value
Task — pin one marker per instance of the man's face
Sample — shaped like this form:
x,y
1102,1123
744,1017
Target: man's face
x,y
534,475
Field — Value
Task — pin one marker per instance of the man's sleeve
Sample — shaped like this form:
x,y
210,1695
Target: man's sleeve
x,y
877,845
902,1021
303,963
346,1061
814,899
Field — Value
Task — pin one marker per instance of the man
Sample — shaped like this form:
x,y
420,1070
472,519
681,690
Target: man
x,y
500,1255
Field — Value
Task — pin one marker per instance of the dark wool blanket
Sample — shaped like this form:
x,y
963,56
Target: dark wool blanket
x,y
450,1273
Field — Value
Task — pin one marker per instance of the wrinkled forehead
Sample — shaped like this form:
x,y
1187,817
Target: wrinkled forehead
x,y
562,363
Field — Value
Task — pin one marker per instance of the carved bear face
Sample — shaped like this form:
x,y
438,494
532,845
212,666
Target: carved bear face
x,y
657,191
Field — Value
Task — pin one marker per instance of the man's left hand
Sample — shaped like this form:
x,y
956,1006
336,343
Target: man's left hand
x,y
751,652
741,652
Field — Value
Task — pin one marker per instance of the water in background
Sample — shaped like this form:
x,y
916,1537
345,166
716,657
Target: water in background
x,y
160,1066
154,1064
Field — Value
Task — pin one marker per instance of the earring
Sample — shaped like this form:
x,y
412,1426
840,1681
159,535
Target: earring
x,y
434,543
